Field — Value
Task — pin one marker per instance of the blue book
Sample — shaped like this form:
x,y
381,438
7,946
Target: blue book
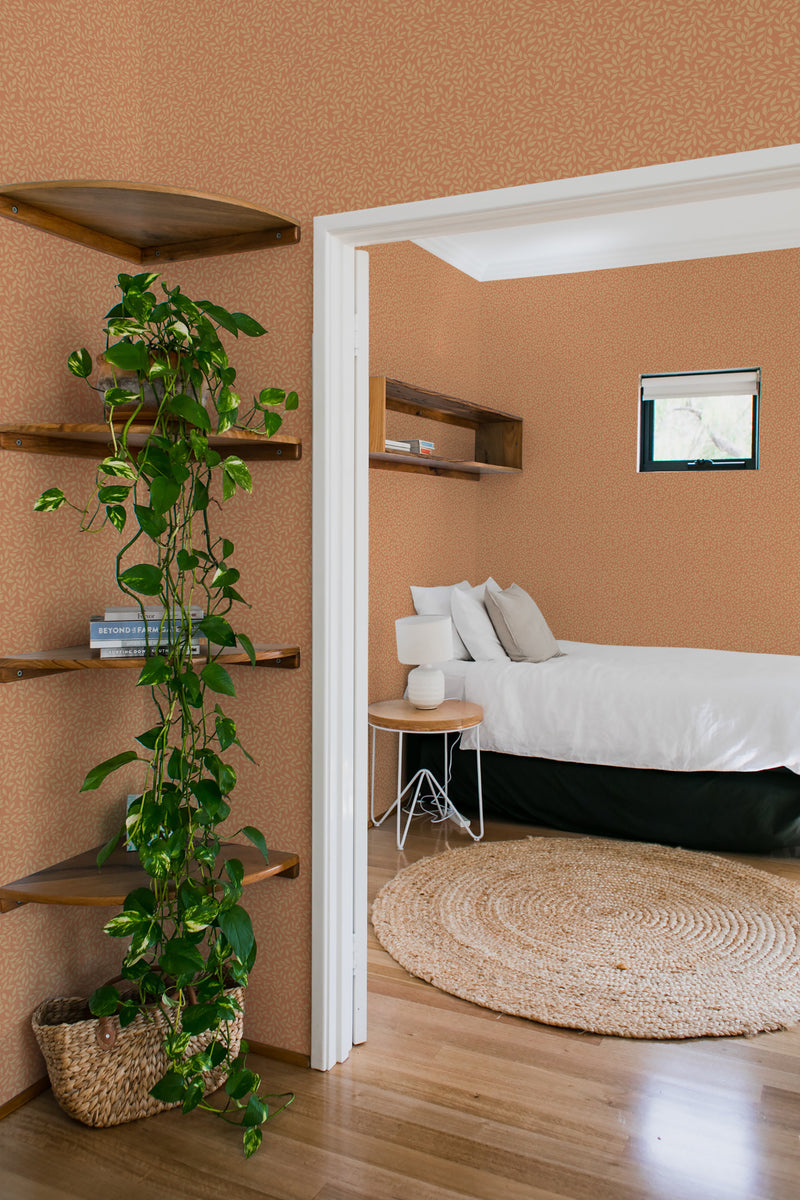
x,y
103,632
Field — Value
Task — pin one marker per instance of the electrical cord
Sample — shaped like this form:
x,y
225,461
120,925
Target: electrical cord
x,y
432,805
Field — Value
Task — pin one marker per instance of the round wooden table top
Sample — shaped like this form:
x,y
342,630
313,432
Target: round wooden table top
x,y
402,716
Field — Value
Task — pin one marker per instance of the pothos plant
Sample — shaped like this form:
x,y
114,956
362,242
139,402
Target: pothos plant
x,y
191,941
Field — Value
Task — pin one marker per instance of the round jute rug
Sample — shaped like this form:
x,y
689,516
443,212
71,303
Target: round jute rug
x,y
633,939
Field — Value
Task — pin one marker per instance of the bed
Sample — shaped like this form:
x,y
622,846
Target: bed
x,y
689,747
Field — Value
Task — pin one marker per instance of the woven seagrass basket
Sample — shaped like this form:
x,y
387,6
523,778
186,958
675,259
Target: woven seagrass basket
x,y
101,1074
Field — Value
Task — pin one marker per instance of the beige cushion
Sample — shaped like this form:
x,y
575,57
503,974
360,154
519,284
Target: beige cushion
x,y
520,626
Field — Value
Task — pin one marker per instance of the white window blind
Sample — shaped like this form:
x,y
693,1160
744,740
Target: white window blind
x,y
706,383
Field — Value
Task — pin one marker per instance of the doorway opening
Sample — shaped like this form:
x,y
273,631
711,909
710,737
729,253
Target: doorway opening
x,y
668,196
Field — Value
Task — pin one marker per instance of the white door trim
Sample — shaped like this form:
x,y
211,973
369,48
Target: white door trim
x,y
340,521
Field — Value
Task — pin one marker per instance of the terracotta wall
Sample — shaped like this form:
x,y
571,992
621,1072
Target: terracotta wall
x,y
610,555
423,528
309,107
424,318
71,108
613,556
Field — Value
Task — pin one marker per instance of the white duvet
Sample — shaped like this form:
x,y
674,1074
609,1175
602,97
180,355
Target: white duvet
x,y
639,706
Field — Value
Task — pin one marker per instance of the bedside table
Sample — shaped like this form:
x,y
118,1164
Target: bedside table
x,y
401,717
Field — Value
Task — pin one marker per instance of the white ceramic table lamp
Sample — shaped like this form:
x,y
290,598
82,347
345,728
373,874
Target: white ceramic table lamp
x,y
424,641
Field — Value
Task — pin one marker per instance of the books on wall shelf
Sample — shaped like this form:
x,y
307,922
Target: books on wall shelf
x,y
413,446
141,650
152,612
124,633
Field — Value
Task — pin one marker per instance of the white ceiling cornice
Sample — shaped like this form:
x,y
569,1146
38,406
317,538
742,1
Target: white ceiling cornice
x,y
734,204
728,204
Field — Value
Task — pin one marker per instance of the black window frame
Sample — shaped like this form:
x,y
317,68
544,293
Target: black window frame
x,y
646,416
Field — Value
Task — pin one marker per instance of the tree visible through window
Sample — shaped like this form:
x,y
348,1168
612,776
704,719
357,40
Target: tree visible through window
x,y
702,420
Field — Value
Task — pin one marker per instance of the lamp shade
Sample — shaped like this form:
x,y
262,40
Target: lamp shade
x,y
424,639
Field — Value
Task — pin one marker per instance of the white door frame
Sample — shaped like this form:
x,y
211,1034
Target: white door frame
x,y
340,509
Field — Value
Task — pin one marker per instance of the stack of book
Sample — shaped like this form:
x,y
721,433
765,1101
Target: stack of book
x,y
124,633
414,446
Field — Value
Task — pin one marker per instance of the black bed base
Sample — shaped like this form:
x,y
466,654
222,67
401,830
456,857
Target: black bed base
x,y
750,812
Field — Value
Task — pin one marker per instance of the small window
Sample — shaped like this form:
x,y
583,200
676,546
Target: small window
x,y
706,420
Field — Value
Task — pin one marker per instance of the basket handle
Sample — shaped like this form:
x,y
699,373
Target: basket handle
x,y
105,1033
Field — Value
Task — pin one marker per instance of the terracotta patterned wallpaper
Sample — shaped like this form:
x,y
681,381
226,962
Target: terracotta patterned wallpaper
x,y
309,107
425,319
609,554
651,559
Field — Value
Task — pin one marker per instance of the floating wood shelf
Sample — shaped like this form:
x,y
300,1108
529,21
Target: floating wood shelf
x,y
82,440
37,663
143,223
498,435
431,464
79,880
93,441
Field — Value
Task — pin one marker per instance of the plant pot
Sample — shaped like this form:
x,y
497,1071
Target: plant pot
x,y
101,1074
119,377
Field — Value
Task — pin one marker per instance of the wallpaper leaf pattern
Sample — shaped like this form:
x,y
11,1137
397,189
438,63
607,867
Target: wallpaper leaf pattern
x,y
310,107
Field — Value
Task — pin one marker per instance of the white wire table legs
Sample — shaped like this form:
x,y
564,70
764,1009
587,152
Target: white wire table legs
x,y
379,820
480,782
424,788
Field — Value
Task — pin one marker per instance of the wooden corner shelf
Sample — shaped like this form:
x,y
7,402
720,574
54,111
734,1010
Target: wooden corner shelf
x,y
38,663
93,441
144,223
498,435
80,881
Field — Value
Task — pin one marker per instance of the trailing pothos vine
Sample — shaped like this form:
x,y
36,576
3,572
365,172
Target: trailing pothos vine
x,y
191,941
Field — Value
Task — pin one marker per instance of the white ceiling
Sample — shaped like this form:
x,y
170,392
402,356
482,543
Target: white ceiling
x,y
590,241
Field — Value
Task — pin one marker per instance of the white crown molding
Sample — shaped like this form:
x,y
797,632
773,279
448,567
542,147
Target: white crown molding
x,y
738,204
746,173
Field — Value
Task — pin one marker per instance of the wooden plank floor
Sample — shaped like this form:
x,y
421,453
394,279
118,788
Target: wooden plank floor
x,y
448,1101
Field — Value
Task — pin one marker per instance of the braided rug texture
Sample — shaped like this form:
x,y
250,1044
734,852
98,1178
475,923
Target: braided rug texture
x,y
632,939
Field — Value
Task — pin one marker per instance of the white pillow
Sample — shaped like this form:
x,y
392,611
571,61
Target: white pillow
x,y
488,585
435,601
472,622
520,626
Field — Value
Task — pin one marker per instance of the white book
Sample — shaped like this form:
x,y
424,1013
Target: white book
x,y
129,651
152,612
415,446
